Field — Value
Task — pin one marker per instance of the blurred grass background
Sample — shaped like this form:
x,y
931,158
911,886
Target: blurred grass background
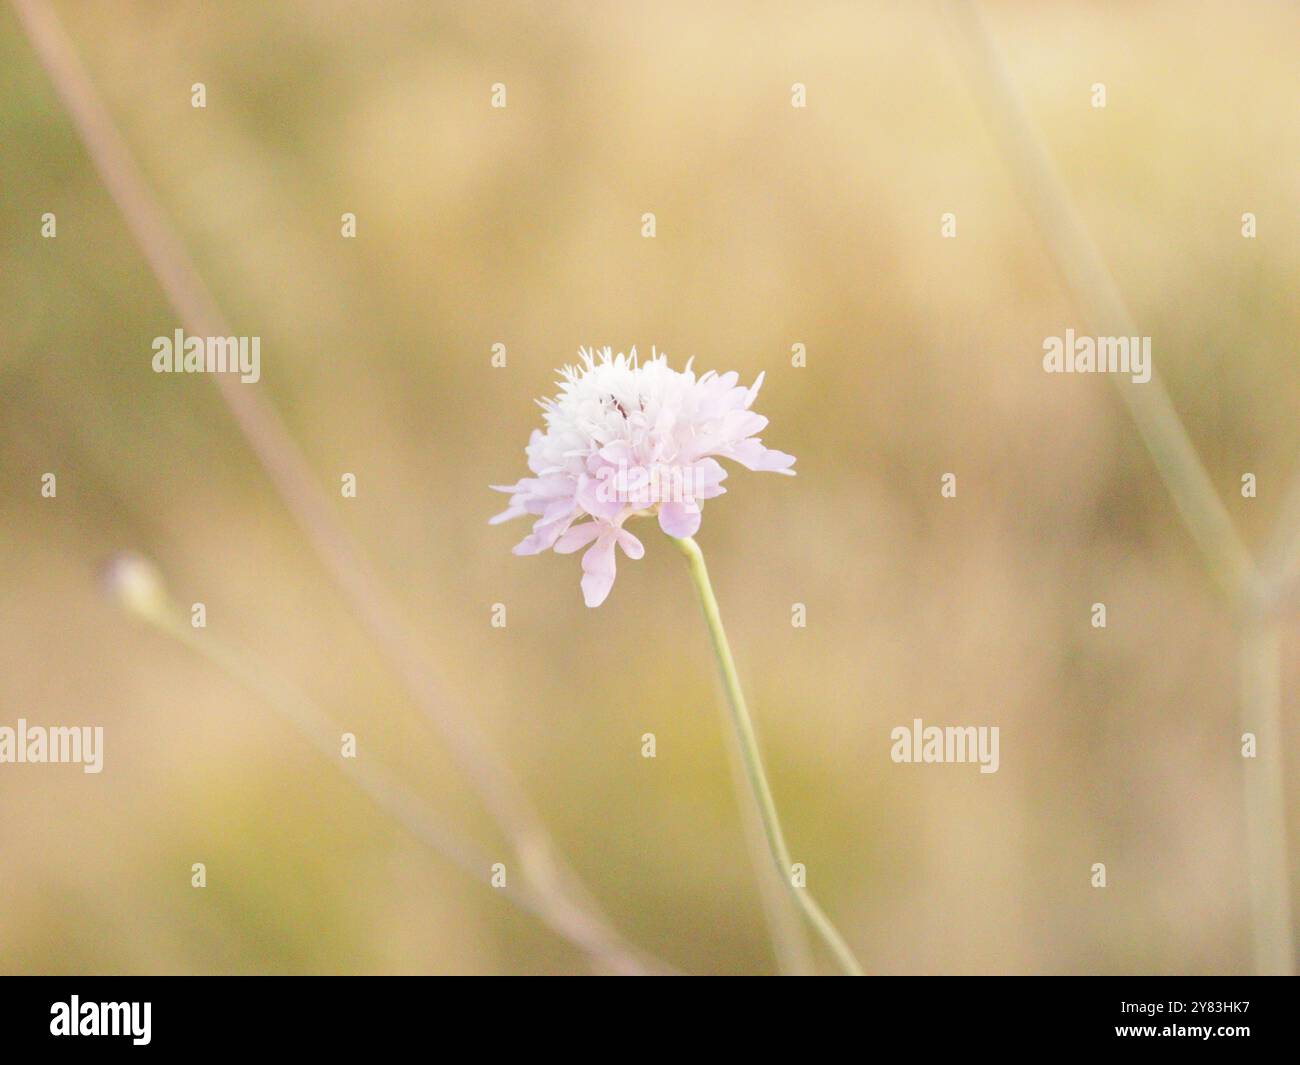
x,y
776,226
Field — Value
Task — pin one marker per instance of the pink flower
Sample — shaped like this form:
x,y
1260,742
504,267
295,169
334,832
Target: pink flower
x,y
626,439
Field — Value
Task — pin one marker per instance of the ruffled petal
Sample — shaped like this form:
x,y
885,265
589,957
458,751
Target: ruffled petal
x,y
544,534
598,496
708,475
754,456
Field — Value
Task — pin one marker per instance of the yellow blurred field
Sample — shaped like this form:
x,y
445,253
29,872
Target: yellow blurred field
x,y
521,226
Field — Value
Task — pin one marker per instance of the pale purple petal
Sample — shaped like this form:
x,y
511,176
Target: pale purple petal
x,y
754,456
598,571
680,519
708,475
544,535
599,496
510,512
577,536
632,547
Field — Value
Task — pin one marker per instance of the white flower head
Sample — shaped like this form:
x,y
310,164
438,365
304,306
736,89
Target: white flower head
x,y
625,438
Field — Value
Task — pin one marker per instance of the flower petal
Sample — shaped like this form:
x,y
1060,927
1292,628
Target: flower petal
x,y
598,496
632,547
754,456
545,533
598,571
512,511
680,519
577,536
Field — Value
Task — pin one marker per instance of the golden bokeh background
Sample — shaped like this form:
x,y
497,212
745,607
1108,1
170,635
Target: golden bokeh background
x,y
775,226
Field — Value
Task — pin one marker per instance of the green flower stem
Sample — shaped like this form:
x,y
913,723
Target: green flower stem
x,y
753,760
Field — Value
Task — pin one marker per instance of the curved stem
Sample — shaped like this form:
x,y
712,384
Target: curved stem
x,y
1247,590
289,471
753,760
135,585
